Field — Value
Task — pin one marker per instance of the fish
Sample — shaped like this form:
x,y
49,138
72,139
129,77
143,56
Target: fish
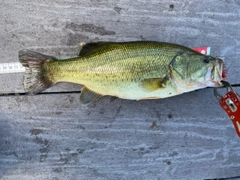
x,y
129,70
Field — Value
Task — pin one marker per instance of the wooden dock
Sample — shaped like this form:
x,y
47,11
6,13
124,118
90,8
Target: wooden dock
x,y
51,136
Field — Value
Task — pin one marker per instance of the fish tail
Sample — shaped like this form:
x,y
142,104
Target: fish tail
x,y
35,79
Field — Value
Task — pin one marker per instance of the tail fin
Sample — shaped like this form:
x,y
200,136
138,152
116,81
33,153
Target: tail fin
x,y
34,80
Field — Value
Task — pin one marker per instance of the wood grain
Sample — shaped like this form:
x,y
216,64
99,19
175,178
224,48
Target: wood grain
x,y
56,28
50,136
113,138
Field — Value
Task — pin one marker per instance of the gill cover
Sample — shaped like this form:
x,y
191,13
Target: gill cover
x,y
191,70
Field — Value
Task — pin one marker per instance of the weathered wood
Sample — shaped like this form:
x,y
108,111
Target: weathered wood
x,y
56,28
53,137
113,138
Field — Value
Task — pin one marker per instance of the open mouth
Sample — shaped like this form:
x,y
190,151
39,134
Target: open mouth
x,y
215,74
219,72
221,69
224,71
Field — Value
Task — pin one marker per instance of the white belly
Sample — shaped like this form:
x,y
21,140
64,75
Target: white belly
x,y
134,91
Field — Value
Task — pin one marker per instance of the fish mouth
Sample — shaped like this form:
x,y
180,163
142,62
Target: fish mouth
x,y
215,74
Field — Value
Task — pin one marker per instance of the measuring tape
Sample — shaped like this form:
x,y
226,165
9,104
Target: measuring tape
x,y
14,67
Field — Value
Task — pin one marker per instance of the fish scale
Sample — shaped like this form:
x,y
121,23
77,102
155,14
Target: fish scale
x,y
129,70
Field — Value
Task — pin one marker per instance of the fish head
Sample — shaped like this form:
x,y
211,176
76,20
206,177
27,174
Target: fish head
x,y
190,71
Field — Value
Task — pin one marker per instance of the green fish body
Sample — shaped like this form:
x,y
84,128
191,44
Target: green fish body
x,y
128,70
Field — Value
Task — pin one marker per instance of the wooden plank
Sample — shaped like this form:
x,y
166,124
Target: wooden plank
x,y
57,27
51,136
54,137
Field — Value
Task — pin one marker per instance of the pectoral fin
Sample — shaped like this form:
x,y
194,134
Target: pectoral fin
x,y
87,96
153,84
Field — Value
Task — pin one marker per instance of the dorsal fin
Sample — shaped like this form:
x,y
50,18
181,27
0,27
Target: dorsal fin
x,y
101,47
94,47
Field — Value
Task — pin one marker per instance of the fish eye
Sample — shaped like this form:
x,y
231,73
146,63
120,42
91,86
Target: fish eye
x,y
206,60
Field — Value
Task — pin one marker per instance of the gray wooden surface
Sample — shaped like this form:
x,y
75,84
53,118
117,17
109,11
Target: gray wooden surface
x,y
50,136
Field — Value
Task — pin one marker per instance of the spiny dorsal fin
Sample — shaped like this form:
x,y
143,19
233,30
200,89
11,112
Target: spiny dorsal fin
x,y
93,47
100,47
87,96
153,84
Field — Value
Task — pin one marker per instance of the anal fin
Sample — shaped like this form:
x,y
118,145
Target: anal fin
x,y
87,96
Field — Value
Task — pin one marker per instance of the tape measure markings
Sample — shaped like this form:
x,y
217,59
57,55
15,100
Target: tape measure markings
x,y
13,67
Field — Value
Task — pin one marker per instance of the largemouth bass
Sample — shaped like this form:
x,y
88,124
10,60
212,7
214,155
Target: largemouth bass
x,y
128,70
